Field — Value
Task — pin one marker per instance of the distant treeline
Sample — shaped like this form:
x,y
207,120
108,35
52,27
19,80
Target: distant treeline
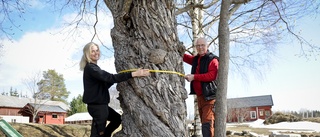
x,y
14,93
304,113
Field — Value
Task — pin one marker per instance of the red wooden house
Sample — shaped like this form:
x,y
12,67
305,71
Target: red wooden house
x,y
249,108
51,112
10,106
46,114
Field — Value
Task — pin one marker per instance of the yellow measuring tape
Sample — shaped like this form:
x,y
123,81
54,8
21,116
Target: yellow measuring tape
x,y
161,71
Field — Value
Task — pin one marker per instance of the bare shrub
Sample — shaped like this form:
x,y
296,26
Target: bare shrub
x,y
280,117
314,119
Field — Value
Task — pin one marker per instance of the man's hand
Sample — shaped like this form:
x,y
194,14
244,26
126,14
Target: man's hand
x,y
189,77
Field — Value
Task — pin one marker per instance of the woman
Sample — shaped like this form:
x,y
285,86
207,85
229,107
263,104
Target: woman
x,y
96,83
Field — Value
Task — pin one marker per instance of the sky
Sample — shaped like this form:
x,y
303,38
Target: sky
x,y
44,43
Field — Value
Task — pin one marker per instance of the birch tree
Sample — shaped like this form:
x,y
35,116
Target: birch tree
x,y
145,35
196,15
39,99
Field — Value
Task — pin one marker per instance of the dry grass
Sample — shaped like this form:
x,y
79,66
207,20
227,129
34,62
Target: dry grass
x,y
41,130
49,130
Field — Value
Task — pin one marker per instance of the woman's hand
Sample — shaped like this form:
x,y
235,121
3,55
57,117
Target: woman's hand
x,y
141,73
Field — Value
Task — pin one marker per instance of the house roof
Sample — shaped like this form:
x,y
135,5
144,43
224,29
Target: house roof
x,y
17,102
48,108
79,117
57,103
84,116
254,101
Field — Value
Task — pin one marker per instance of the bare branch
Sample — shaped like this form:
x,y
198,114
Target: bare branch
x,y
234,9
240,1
300,38
188,7
7,10
95,24
210,4
184,9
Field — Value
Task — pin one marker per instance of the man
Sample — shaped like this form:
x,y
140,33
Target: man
x,y
204,69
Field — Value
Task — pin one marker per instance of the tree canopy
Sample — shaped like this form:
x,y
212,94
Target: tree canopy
x,y
53,84
77,106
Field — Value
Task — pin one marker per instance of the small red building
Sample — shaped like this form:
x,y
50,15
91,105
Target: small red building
x,y
249,108
45,114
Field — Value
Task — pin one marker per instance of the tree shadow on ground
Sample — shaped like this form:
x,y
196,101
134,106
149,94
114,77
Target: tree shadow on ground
x,y
59,130
44,132
48,130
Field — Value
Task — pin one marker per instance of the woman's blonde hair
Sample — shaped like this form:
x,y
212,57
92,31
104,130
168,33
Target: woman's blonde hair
x,y
86,54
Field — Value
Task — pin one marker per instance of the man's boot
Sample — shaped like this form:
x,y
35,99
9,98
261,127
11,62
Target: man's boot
x,y
206,130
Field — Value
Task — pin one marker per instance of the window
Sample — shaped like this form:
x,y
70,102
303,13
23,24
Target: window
x,y
253,115
267,113
54,116
261,112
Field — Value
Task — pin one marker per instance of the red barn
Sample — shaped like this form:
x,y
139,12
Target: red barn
x,y
10,106
13,109
249,108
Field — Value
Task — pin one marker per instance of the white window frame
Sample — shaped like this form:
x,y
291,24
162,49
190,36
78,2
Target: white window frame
x,y
261,112
55,116
253,114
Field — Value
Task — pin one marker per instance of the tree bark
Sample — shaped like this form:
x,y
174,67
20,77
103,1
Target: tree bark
x,y
224,44
145,35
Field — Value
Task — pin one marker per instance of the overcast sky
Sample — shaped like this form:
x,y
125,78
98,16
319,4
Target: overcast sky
x,y
43,44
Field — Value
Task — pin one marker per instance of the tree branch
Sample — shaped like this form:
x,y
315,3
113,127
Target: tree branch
x,y
190,5
300,38
210,4
187,8
240,1
96,22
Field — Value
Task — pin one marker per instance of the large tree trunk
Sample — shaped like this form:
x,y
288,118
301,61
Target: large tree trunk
x,y
145,35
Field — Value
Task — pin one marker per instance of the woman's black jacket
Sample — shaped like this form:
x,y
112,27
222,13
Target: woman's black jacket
x,y
96,83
